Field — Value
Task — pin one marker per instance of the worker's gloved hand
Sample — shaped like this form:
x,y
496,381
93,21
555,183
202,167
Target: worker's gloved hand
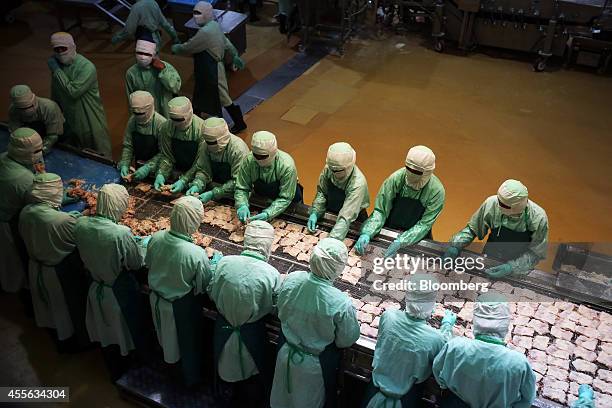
x,y
142,172
46,148
158,64
206,197
238,62
362,243
159,182
449,318
451,253
67,199
393,248
585,397
499,271
193,190
243,213
142,241
217,256
176,48
53,64
262,216
176,40
312,222
178,186
75,214
124,171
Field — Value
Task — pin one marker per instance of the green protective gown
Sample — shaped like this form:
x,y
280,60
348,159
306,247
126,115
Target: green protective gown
x,y
283,169
210,38
405,351
153,129
167,159
75,89
176,267
244,289
502,377
431,196
233,154
162,85
47,113
49,237
16,182
489,216
357,198
147,14
313,314
100,238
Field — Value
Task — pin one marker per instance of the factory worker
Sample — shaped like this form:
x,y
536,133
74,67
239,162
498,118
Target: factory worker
x,y
114,315
145,20
501,376
57,279
269,173
585,397
410,199
179,143
41,114
517,229
342,190
316,320
141,138
406,348
219,162
208,47
179,271
18,166
153,75
244,289
284,11
74,86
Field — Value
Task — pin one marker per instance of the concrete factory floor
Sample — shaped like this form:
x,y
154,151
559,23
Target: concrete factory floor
x,y
486,119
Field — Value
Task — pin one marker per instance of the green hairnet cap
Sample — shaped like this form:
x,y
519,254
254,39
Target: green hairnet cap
x,y
491,315
328,258
186,215
47,188
421,300
25,146
22,96
179,103
113,200
340,155
258,237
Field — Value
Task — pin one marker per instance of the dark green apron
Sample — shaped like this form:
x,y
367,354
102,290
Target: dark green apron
x,y
335,201
413,398
329,359
221,172
271,190
253,336
190,333
145,146
39,126
405,213
206,88
184,152
75,284
505,244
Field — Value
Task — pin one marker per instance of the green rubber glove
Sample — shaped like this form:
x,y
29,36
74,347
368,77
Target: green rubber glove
x,y
193,190
312,222
450,318
499,271
262,216
124,171
53,64
66,199
178,186
217,256
206,197
392,250
159,182
176,48
451,253
142,172
362,243
75,214
585,397
238,62
243,213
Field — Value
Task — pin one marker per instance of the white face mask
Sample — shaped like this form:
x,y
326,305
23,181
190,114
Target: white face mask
x,y
66,57
28,114
181,124
142,117
144,60
342,174
265,160
417,181
199,19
